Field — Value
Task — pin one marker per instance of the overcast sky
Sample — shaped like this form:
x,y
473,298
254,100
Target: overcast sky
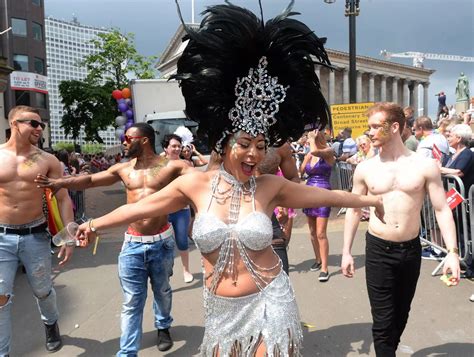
x,y
431,26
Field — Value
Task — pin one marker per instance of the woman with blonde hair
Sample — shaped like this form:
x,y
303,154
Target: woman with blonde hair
x,y
364,150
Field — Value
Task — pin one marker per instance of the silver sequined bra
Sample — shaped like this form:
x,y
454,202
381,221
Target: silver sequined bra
x,y
236,326
254,231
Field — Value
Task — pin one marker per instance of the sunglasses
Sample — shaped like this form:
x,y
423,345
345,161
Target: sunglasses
x,y
34,123
129,138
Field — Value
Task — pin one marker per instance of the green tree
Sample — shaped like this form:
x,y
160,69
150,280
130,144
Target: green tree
x,y
62,145
89,103
92,148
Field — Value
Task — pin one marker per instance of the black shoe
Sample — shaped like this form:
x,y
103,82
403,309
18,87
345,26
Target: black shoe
x,y
316,266
53,337
323,276
164,341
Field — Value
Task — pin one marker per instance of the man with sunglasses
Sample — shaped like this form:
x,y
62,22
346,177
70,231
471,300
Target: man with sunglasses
x,y
23,236
148,250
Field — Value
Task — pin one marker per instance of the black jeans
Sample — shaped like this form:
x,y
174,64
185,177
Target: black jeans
x,y
392,271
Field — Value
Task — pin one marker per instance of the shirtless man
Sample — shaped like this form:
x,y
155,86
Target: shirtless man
x,y
148,250
393,253
282,158
23,236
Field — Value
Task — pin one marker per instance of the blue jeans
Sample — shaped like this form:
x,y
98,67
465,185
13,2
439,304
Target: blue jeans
x,y
180,221
34,252
137,263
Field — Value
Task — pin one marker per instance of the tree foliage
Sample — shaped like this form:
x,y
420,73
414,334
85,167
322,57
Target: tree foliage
x,y
89,103
63,145
92,148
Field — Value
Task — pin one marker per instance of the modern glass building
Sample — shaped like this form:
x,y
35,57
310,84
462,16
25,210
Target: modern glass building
x,y
67,43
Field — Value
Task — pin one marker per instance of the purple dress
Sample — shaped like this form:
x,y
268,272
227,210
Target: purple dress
x,y
318,176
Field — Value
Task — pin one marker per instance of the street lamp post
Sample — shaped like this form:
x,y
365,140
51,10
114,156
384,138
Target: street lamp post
x,y
351,11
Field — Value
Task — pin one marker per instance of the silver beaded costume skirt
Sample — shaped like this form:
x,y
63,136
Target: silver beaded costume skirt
x,y
237,326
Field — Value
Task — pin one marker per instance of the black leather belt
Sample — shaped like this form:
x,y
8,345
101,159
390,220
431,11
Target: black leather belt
x,y
24,231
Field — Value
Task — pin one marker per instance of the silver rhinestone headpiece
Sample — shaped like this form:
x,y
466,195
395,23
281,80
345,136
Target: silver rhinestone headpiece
x,y
258,100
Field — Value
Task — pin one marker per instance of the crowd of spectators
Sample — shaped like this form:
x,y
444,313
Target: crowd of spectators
x,y
74,163
448,139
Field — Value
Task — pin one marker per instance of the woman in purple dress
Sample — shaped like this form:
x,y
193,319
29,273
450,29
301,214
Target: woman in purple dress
x,y
317,166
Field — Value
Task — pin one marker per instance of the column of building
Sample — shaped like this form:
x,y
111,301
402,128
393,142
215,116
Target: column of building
x,y
409,88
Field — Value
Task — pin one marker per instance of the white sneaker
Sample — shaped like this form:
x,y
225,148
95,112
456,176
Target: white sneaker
x,y
188,277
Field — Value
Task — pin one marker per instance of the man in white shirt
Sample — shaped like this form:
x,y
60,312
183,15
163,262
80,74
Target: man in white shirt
x,y
349,146
428,137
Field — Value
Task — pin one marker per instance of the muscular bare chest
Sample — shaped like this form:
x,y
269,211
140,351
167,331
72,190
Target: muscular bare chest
x,y
22,169
393,177
144,182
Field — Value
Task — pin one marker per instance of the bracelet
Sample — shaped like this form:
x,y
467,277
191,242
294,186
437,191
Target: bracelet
x,y
91,226
454,250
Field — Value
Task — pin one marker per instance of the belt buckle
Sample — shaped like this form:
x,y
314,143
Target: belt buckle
x,y
149,239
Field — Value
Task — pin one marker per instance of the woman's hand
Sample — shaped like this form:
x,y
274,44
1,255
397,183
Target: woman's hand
x,y
313,134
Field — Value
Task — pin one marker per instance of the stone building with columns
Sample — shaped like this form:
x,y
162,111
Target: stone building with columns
x,y
377,80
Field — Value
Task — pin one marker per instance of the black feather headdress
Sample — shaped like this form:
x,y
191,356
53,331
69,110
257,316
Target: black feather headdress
x,y
230,42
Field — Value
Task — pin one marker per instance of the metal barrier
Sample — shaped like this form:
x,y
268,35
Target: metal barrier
x,y
343,173
79,205
470,208
429,229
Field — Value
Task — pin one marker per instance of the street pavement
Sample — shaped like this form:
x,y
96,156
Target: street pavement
x,y
335,315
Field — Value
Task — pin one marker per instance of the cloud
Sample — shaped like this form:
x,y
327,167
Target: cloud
x,y
433,26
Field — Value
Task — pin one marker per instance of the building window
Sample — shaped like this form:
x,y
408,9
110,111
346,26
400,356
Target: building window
x,y
22,97
19,27
36,2
37,31
20,63
39,65
40,100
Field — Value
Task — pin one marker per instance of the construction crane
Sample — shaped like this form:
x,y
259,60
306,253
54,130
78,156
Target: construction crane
x,y
419,57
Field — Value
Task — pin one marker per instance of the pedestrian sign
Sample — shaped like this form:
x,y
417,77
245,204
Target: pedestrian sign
x,y
350,116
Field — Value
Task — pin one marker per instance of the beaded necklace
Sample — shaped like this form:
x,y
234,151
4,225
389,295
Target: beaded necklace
x,y
237,192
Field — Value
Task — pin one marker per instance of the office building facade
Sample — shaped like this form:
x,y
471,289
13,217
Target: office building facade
x,y
67,44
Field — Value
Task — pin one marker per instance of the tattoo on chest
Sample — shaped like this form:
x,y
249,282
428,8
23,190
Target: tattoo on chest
x,y
151,172
31,160
154,170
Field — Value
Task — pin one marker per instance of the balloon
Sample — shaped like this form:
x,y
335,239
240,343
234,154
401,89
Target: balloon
x,y
129,102
120,120
128,124
119,132
122,138
126,93
123,107
121,100
117,94
129,114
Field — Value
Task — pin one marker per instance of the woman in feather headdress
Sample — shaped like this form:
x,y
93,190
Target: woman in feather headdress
x,y
248,84
188,150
